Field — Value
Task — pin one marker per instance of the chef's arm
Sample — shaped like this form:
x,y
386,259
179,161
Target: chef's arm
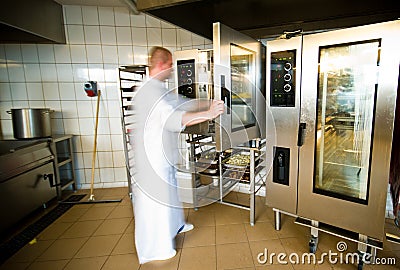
x,y
193,118
193,105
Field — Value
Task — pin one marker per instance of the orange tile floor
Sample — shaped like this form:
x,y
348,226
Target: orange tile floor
x,y
101,237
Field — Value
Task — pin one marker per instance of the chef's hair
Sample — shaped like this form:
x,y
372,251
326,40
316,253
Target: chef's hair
x,y
158,54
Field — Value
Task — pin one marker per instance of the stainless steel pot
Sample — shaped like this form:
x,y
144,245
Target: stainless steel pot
x,y
31,123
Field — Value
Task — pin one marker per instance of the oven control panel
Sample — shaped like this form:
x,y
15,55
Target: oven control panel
x,y
283,67
186,78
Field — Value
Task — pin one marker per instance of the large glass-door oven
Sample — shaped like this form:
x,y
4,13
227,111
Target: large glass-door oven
x,y
342,128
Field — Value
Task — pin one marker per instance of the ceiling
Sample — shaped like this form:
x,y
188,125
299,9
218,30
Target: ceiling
x,y
268,18
256,18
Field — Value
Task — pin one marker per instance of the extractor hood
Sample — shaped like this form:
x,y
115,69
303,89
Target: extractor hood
x,y
26,21
268,18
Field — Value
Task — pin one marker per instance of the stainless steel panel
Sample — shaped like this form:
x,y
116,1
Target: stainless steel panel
x,y
20,156
224,39
23,194
367,219
282,130
201,83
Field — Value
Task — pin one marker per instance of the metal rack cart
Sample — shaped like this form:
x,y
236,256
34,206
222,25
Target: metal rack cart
x,y
214,183
130,79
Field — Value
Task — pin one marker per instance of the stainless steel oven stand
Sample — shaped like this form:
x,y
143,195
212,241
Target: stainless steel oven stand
x,y
366,246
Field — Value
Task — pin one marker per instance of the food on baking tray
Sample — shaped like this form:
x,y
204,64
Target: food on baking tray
x,y
238,160
240,175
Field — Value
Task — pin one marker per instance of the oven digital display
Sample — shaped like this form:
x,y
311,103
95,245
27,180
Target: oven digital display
x,y
283,66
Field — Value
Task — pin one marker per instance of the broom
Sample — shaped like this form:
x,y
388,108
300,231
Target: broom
x,y
91,197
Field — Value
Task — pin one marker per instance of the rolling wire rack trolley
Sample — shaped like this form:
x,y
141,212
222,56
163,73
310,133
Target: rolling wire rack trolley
x,y
251,172
130,79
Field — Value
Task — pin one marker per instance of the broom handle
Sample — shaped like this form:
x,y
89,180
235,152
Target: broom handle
x,y
95,143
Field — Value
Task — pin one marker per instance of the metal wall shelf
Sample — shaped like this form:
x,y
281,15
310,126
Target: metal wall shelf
x,y
64,167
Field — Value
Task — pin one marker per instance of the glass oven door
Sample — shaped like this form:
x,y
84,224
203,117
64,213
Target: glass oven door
x,y
349,83
237,81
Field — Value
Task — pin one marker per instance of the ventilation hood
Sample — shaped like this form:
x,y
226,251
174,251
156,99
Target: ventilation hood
x,y
268,18
26,21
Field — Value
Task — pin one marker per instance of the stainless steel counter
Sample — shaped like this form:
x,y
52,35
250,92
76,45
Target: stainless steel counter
x,y
26,179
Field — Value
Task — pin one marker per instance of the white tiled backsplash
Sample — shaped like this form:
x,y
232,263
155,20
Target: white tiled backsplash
x,y
99,40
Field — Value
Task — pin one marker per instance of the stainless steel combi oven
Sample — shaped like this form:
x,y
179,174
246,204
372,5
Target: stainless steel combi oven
x,y
232,71
332,96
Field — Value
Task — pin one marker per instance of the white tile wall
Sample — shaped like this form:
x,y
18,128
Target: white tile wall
x,y
62,54
65,73
5,93
15,72
90,15
2,54
124,36
3,72
32,73
13,53
73,14
154,36
29,53
18,91
35,92
138,20
46,53
110,54
106,16
123,18
48,72
92,34
139,36
108,36
99,40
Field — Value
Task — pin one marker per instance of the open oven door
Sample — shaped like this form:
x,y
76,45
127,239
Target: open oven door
x,y
238,72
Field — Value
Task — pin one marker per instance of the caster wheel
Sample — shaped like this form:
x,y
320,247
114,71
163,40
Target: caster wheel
x,y
360,266
313,248
313,244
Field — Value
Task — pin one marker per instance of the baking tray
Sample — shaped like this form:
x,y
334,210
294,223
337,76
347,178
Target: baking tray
x,y
239,166
208,179
207,168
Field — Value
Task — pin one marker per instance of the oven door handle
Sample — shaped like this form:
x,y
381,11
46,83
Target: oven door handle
x,y
301,134
50,177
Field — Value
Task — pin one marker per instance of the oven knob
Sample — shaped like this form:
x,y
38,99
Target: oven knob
x,y
189,81
189,90
287,66
287,77
189,73
287,87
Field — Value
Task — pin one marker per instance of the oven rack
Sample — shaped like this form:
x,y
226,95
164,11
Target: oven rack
x,y
130,79
217,190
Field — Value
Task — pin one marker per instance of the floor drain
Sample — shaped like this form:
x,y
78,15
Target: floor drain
x,y
11,246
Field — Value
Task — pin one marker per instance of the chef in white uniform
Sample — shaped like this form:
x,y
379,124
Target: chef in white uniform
x,y
157,211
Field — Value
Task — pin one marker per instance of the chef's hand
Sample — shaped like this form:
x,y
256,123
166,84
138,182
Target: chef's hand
x,y
216,108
